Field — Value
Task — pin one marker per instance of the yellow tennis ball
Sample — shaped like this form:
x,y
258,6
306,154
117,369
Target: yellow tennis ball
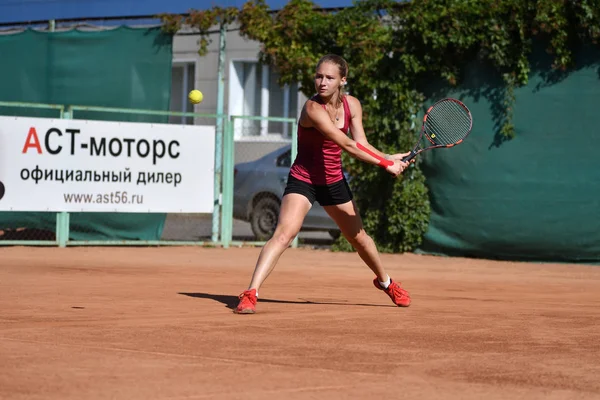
x,y
195,96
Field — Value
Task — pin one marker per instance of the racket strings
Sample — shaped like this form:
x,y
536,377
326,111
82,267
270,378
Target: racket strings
x,y
447,123
447,126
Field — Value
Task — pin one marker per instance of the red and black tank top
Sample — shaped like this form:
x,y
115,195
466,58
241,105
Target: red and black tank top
x,y
319,160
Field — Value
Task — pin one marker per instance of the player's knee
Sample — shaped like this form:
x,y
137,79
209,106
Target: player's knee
x,y
360,239
284,238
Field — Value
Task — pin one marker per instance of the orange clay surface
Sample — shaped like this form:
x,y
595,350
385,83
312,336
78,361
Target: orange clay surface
x,y
156,323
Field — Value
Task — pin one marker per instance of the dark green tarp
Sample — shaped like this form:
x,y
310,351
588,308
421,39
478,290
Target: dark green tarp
x,y
535,197
123,67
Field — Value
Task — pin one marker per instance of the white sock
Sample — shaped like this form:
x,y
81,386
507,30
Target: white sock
x,y
385,284
257,294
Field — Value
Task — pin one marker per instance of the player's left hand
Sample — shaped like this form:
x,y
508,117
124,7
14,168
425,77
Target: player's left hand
x,y
398,156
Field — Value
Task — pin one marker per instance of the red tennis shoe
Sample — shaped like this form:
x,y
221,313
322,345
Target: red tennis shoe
x,y
247,303
399,296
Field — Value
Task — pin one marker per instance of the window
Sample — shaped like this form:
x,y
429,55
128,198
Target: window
x,y
254,91
183,79
283,102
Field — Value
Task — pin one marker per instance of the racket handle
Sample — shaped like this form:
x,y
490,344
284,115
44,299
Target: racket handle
x,y
410,156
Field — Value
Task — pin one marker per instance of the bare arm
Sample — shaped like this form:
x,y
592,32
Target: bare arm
x,y
356,126
358,132
313,115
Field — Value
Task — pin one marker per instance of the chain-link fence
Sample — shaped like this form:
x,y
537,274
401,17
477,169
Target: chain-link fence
x,y
258,153
257,157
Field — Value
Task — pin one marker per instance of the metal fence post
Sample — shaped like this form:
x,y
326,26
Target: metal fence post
x,y
63,218
62,228
228,162
219,133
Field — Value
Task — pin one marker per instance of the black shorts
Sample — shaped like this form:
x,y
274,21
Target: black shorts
x,y
327,195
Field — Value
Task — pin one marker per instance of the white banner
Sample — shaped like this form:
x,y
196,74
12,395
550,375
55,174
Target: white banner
x,y
93,166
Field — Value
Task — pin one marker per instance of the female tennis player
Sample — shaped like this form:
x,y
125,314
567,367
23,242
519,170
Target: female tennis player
x,y
316,175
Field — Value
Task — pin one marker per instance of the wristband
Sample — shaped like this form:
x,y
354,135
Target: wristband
x,y
383,163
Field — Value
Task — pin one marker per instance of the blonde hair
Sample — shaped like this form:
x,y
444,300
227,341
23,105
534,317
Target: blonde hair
x,y
342,67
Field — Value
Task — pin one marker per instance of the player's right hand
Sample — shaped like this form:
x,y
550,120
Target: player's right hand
x,y
397,168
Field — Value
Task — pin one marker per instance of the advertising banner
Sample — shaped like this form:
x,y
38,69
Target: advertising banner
x,y
97,166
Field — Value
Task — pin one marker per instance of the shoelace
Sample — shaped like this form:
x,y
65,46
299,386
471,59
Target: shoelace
x,y
246,294
397,290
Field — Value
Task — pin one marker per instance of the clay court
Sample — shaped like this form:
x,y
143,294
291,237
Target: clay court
x,y
156,323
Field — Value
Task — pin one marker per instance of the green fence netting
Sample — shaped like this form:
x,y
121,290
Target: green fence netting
x,y
123,67
535,197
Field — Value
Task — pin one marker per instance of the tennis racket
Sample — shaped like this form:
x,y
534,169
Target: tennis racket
x,y
445,124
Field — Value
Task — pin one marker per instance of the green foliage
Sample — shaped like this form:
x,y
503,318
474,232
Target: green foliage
x,y
199,22
392,47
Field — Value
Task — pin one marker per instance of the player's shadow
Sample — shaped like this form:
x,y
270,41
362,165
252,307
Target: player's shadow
x,y
232,301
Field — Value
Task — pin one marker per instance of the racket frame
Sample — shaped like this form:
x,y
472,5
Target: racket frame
x,y
414,152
